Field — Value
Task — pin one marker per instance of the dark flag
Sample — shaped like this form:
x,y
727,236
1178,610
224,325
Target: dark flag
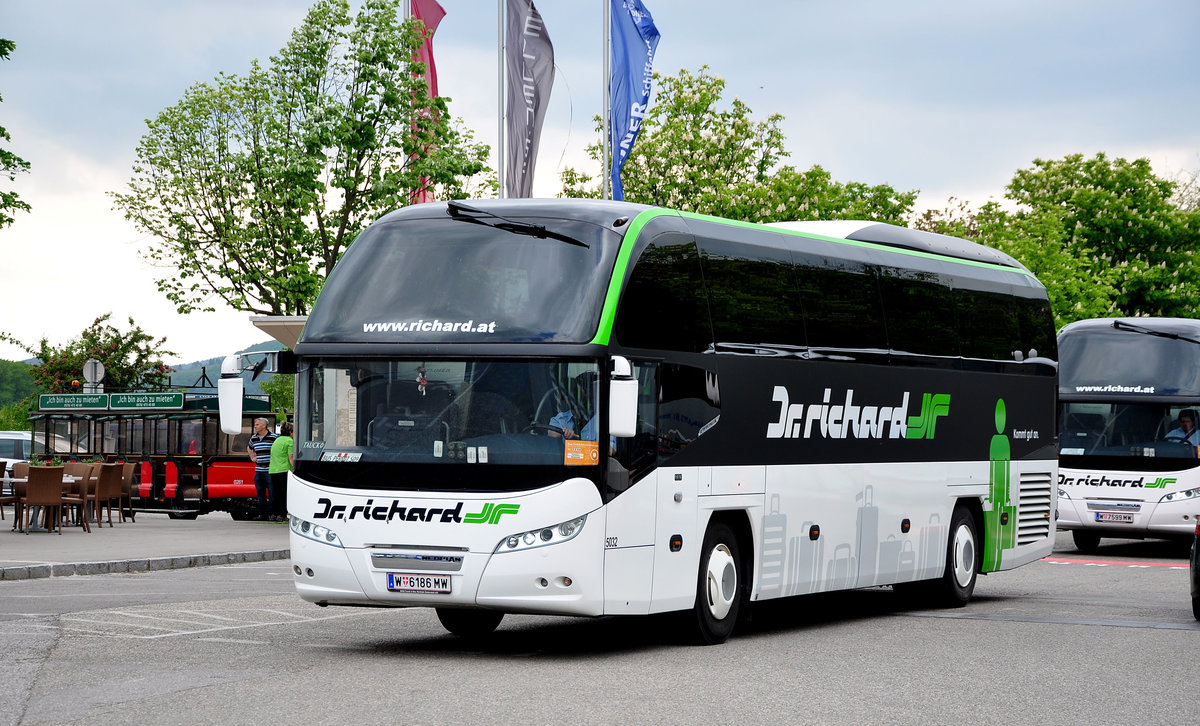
x,y
634,40
529,64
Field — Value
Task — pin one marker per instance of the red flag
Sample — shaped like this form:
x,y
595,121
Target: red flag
x,y
430,13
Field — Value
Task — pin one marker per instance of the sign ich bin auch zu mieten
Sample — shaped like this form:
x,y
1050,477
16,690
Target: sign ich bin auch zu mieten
x,y
108,401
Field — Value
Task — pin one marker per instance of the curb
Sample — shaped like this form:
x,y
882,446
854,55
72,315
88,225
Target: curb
x,y
67,569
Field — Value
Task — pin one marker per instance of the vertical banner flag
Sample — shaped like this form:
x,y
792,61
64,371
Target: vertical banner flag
x,y
634,40
529,63
430,13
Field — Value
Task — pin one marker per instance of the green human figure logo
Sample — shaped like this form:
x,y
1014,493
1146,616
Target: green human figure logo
x,y
1001,517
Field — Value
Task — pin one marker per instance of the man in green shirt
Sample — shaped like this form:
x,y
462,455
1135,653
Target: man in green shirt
x,y
282,459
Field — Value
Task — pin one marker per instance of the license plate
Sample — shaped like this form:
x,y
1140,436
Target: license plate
x,y
1114,517
415,582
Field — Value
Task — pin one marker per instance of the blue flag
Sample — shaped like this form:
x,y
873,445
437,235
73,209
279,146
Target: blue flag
x,y
634,40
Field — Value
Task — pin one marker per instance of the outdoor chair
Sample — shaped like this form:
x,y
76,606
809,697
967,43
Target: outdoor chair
x,y
108,488
84,476
20,471
127,472
45,489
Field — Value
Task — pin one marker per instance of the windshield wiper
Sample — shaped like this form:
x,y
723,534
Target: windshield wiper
x,y
460,211
1122,325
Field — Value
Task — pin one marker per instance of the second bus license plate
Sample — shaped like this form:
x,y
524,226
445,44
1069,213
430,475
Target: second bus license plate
x,y
1114,517
416,582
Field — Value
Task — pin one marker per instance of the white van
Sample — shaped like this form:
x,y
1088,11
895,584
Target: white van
x,y
15,446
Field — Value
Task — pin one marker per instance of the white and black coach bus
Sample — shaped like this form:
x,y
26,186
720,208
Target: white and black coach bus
x,y
594,408
1130,392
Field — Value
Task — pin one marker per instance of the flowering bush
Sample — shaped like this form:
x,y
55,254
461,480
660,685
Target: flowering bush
x,y
132,360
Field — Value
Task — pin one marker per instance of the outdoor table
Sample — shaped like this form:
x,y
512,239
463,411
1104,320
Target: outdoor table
x,y
37,511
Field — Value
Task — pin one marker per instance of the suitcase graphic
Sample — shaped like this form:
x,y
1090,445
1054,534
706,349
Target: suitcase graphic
x,y
868,536
840,573
772,554
889,558
931,545
907,562
804,562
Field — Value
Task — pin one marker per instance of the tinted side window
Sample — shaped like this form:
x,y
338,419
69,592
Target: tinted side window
x,y
987,322
919,310
841,303
1037,327
689,401
752,295
663,305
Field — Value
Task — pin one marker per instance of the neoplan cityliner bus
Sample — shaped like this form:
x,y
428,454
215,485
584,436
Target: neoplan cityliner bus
x,y
1129,464
599,408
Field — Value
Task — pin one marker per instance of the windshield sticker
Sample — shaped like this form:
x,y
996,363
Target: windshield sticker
x,y
341,456
581,453
430,326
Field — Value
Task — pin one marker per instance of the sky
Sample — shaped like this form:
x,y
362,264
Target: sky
x,y
945,97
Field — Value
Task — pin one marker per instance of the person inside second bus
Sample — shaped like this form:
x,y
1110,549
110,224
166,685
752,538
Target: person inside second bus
x,y
1186,431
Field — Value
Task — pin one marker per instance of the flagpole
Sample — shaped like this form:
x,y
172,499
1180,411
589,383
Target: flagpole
x,y
606,164
500,93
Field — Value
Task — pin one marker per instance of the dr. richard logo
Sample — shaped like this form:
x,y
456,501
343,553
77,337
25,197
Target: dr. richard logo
x,y
845,418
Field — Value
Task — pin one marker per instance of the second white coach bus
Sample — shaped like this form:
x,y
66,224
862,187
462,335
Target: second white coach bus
x,y
597,408
1129,391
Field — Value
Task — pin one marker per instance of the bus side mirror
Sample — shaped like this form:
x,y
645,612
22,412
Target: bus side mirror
x,y
229,394
622,399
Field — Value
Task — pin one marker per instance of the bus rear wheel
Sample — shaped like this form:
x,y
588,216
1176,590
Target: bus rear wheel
x,y
719,586
954,588
469,623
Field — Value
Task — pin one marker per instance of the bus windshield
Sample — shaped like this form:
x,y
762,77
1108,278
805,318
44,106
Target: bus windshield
x,y
451,280
475,412
1150,432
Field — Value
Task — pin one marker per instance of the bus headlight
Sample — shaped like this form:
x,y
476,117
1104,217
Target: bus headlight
x,y
542,536
1181,496
315,532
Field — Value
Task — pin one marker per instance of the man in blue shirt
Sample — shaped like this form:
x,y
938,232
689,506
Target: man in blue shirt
x,y
259,450
565,420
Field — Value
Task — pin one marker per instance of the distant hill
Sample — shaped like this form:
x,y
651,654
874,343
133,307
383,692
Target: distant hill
x,y
191,375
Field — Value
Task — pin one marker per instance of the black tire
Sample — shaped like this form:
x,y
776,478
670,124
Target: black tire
x,y
720,586
1085,540
963,555
469,623
183,515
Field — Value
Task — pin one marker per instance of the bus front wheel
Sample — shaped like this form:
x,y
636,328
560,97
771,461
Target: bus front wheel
x,y
469,623
719,585
1085,540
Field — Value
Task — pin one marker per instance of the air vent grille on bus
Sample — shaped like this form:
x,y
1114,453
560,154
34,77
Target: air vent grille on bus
x,y
1033,510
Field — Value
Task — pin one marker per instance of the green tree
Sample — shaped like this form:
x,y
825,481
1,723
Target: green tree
x,y
10,163
15,382
1106,236
15,416
254,186
132,359
281,387
1119,215
694,155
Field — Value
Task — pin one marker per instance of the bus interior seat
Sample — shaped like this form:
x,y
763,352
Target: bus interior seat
x,y
1083,430
1135,424
491,413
